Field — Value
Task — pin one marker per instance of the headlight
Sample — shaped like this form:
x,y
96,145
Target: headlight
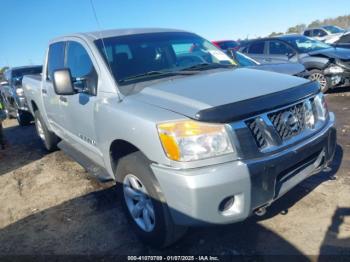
x,y
309,115
191,140
333,69
20,92
321,106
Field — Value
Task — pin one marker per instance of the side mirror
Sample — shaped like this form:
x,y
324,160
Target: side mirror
x,y
62,82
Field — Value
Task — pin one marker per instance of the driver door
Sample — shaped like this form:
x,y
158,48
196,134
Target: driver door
x,y
79,109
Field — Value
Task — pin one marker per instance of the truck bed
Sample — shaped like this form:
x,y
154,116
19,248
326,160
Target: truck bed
x,y
32,90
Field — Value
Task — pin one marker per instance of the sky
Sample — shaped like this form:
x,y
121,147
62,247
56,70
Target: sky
x,y
28,25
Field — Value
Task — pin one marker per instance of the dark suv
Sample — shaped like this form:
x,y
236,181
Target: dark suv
x,y
12,93
328,65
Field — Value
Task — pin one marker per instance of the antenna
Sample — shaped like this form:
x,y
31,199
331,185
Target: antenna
x,y
99,28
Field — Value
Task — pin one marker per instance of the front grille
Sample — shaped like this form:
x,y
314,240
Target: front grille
x,y
281,121
258,136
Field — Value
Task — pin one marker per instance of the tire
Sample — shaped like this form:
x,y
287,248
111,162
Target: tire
x,y
48,138
24,118
317,75
162,232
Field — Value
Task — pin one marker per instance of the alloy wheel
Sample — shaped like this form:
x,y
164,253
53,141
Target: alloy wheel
x,y
139,203
320,78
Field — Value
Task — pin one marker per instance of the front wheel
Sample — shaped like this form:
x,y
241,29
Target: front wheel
x,y
318,76
143,202
48,138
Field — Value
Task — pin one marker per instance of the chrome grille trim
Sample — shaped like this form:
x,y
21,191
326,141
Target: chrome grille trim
x,y
270,133
282,128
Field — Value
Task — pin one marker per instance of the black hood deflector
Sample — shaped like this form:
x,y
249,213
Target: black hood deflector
x,y
254,106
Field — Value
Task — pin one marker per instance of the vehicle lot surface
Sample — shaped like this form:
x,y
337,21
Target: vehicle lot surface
x,y
49,205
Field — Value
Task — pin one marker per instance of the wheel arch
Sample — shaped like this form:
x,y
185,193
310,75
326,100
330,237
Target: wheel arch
x,y
34,106
118,149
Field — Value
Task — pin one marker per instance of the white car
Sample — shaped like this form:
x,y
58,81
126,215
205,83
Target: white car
x,y
328,33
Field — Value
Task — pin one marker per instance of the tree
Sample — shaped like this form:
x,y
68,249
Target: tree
x,y
298,29
275,34
342,21
2,70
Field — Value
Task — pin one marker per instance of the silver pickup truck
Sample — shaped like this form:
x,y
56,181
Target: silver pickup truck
x,y
189,138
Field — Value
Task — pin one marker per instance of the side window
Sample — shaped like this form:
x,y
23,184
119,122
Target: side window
x,y
279,48
323,33
307,33
55,59
318,32
82,69
256,48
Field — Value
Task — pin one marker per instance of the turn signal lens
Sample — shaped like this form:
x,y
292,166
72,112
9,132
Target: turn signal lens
x,y
191,140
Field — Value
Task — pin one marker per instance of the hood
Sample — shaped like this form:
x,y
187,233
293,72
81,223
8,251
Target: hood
x,y
283,68
190,94
333,52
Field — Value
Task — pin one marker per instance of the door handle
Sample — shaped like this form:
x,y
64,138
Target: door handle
x,y
44,91
63,99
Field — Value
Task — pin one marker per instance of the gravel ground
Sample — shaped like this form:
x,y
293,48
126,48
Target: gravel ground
x,y
50,205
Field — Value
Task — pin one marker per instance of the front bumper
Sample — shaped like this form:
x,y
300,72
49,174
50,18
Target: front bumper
x,y
194,195
339,80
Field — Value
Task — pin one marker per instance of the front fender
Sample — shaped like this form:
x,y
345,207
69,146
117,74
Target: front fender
x,y
133,122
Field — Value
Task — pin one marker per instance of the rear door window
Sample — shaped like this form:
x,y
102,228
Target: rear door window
x,y
256,48
55,58
278,48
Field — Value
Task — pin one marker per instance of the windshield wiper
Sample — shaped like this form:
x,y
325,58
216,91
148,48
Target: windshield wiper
x,y
154,74
204,66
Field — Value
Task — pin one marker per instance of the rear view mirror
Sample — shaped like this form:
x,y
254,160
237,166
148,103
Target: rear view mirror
x,y
62,82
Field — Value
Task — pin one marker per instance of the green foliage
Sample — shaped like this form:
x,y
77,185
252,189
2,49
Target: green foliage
x,y
275,34
3,69
298,29
341,21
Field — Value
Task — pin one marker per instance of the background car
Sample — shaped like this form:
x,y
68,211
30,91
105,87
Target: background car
x,y
328,65
226,45
12,93
328,33
294,69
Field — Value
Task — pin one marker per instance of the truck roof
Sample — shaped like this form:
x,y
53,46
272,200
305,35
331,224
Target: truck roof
x,y
23,67
117,32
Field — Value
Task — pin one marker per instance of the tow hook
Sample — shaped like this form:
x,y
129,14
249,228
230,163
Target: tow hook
x,y
261,211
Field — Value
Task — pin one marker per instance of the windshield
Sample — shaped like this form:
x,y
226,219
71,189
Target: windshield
x,y
19,73
334,29
243,60
141,57
306,44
